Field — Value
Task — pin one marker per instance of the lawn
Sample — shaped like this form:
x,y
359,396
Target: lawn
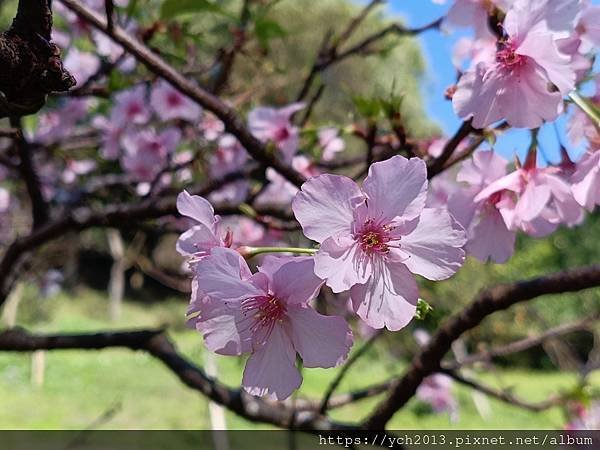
x,y
120,389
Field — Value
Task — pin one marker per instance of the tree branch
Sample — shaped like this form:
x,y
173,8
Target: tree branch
x,y
157,344
428,360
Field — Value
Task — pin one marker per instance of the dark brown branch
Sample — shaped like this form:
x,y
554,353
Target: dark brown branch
x,y
437,165
39,207
428,360
154,63
31,64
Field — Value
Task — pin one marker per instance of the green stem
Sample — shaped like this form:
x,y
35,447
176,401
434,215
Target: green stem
x,y
586,107
249,252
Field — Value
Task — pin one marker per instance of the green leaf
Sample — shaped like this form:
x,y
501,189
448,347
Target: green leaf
x,y
174,8
423,309
267,29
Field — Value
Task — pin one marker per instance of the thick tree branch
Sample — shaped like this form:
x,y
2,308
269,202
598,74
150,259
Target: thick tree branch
x,y
154,63
498,298
157,344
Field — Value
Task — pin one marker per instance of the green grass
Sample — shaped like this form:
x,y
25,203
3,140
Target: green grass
x,y
120,389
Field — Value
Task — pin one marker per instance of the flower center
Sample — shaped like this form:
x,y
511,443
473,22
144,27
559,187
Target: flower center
x,y
508,57
374,238
174,100
264,312
282,134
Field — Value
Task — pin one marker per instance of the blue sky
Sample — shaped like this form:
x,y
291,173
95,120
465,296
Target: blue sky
x,y
437,48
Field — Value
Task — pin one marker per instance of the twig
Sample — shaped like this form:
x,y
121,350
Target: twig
x,y
344,370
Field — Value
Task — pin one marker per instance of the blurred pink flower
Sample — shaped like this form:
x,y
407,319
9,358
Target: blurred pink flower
x,y
268,315
82,65
228,158
211,127
147,152
131,107
273,125
56,124
515,86
111,133
170,104
374,239
75,168
330,143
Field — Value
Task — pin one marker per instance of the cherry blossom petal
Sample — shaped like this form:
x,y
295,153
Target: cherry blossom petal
x,y
341,262
223,275
272,368
434,248
324,206
293,278
491,239
196,207
197,239
396,187
388,299
321,341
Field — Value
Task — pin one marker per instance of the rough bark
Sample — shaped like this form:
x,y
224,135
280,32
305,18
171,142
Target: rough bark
x,y
31,64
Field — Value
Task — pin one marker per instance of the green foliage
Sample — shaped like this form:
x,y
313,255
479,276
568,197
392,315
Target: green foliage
x,y
173,8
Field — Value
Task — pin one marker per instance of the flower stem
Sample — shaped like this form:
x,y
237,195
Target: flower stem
x,y
249,252
586,107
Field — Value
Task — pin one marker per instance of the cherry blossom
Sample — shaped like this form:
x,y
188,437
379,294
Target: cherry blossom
x,y
515,86
273,125
111,135
131,107
82,65
170,104
211,127
267,314
330,143
58,123
586,180
205,232
228,158
534,199
487,233
147,152
374,239
468,13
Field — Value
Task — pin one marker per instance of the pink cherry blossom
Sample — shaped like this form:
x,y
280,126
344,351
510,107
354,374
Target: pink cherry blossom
x,y
131,107
228,158
268,315
82,65
58,123
487,234
111,133
279,191
585,181
170,104
205,232
515,86
585,418
147,152
534,199
273,125
330,143
374,239
211,127
76,168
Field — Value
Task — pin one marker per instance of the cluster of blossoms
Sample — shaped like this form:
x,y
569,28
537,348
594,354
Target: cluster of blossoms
x,y
521,72
373,240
